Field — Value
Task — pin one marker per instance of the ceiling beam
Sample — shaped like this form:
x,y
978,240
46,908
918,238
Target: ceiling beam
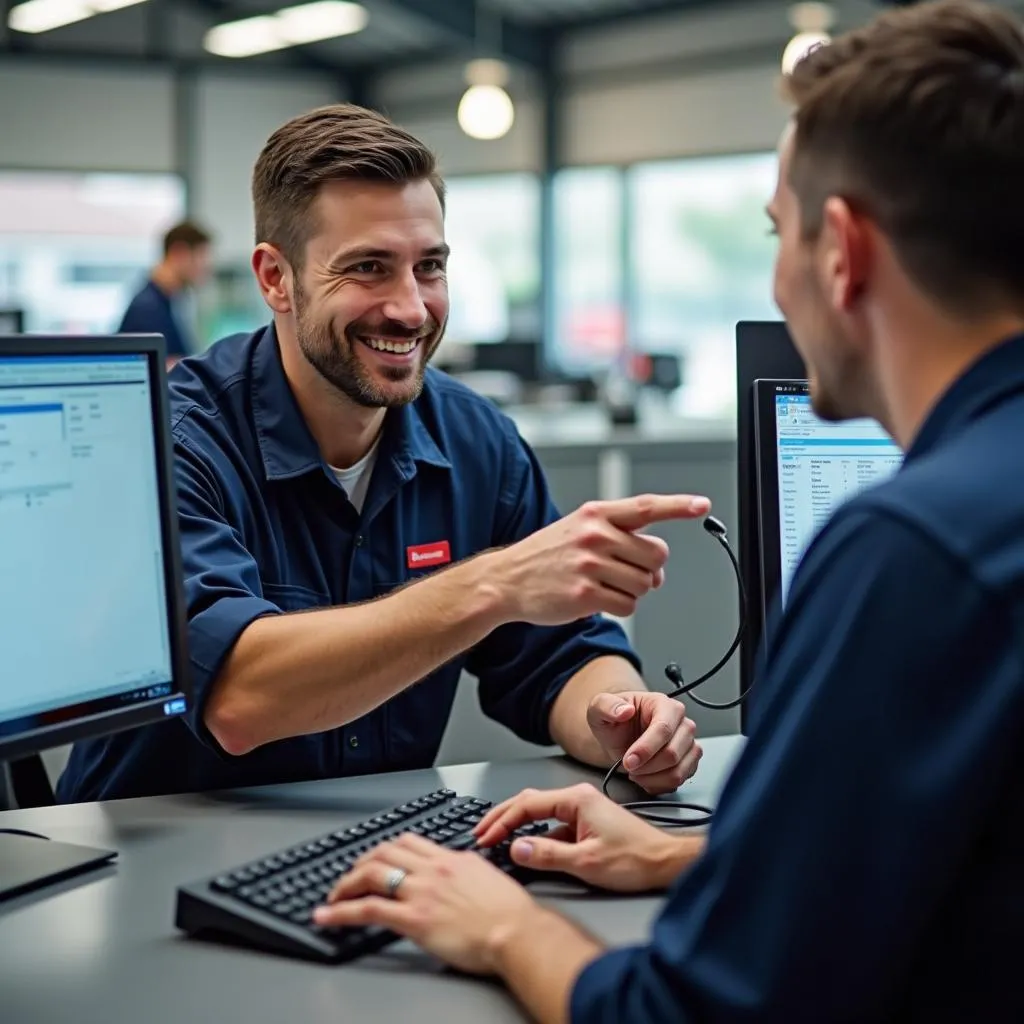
x,y
515,41
634,15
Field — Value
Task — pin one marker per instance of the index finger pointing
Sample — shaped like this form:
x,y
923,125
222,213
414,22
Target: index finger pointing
x,y
645,509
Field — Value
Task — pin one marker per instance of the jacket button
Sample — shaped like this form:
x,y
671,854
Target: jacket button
x,y
359,540
353,741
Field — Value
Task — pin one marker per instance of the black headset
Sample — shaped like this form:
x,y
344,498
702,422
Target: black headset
x,y
647,809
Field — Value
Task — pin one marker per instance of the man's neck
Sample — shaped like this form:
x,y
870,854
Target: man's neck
x,y
166,279
915,374
343,430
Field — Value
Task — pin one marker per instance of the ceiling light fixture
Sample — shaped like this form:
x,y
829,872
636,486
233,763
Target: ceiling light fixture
x,y
290,26
812,21
486,110
45,15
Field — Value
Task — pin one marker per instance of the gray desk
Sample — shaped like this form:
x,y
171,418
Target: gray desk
x,y
102,949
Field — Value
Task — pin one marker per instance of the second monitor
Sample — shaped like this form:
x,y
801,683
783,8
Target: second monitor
x,y
805,467
91,608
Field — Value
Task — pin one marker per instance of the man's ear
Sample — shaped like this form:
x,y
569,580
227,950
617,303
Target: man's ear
x,y
274,277
846,244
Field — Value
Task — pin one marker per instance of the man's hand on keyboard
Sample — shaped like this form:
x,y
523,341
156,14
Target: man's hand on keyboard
x,y
599,842
455,905
651,733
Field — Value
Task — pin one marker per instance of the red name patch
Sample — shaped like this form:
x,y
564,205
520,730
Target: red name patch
x,y
428,554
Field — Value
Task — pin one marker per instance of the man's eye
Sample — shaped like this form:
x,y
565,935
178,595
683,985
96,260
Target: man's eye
x,y
432,266
366,267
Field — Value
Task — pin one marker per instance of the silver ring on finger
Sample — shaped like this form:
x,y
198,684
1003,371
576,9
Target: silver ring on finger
x,y
395,877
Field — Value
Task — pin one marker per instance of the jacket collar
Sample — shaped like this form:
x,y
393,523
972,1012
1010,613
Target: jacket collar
x,y
288,448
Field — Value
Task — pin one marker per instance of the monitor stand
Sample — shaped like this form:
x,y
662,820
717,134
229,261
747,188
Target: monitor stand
x,y
29,861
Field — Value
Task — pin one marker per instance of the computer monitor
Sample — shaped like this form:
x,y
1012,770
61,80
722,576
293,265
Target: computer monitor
x,y
763,349
92,625
806,467
12,321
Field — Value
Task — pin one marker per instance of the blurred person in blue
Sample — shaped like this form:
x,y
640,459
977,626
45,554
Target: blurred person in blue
x,y
864,861
358,528
158,307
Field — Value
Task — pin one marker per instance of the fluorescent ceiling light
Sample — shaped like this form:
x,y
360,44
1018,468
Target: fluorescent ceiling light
x,y
44,15
291,26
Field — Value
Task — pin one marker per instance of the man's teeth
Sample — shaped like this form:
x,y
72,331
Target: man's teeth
x,y
398,347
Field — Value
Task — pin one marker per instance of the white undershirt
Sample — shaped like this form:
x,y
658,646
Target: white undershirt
x,y
356,479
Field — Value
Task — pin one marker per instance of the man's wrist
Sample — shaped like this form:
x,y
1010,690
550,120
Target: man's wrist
x,y
670,857
508,937
489,601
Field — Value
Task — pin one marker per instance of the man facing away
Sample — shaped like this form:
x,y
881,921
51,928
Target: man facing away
x,y
864,862
156,307
357,528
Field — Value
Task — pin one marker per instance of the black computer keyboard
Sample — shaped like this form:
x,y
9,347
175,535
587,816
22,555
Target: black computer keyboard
x,y
268,902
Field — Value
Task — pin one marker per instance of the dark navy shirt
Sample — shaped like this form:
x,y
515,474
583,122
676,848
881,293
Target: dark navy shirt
x,y
866,861
151,311
266,528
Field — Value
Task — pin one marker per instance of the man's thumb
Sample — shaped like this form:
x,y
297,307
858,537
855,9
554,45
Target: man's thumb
x,y
611,708
546,854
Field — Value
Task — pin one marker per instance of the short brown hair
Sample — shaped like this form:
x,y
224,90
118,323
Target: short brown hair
x,y
917,120
186,233
334,143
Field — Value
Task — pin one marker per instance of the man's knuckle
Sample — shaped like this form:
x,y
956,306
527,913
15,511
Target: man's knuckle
x,y
664,729
645,503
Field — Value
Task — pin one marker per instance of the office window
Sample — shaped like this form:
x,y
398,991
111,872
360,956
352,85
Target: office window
x,y
493,228
78,245
589,319
701,258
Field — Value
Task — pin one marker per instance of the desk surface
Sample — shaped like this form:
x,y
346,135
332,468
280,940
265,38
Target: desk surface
x,y
102,948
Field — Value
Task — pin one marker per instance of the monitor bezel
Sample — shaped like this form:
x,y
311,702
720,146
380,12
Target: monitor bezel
x,y
109,721
764,349
767,482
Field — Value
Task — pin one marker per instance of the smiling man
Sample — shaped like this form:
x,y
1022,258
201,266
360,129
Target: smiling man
x,y
864,862
357,528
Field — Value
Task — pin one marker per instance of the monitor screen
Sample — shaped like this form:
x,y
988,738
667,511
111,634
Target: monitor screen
x,y
820,465
84,618
806,468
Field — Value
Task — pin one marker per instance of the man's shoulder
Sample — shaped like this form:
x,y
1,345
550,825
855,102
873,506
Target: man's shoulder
x,y
966,498
454,400
212,383
460,416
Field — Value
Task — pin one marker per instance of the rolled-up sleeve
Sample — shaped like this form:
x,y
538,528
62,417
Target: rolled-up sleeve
x,y
521,667
223,594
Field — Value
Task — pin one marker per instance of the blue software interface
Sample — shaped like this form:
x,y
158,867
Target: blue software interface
x,y
821,465
83,604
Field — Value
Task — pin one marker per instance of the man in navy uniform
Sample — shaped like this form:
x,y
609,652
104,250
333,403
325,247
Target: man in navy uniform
x,y
357,528
864,862
157,307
